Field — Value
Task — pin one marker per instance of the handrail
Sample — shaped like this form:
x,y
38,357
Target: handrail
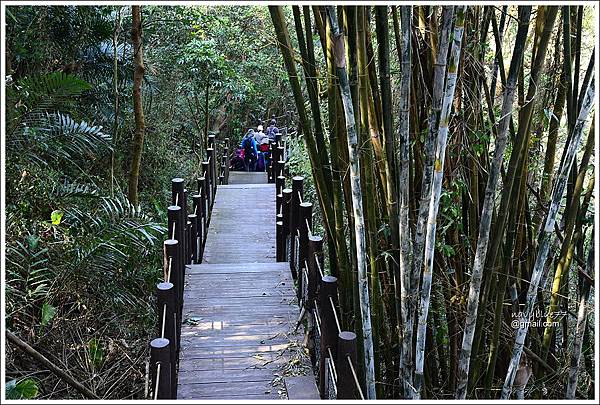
x,y
317,291
355,377
157,380
185,246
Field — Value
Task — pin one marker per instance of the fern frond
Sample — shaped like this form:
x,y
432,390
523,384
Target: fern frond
x,y
52,92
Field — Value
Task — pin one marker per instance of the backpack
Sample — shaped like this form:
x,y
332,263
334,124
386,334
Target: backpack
x,y
247,146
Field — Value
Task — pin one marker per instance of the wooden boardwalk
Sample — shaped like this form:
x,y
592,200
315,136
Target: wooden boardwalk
x,y
240,307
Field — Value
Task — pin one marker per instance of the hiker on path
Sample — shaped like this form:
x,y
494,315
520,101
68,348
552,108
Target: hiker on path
x,y
248,145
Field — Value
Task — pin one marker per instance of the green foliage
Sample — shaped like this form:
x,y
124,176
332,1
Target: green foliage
x,y
96,353
77,253
56,216
48,312
51,92
24,389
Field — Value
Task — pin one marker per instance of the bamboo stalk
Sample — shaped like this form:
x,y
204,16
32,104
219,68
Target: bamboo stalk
x,y
580,329
406,353
359,226
566,251
488,205
439,75
438,174
546,238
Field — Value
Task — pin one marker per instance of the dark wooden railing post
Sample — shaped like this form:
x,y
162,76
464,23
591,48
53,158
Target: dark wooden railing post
x,y
297,190
285,211
177,271
210,156
281,168
159,355
279,184
193,237
184,206
226,156
178,198
279,234
212,142
304,226
315,260
177,189
222,170
346,349
175,277
329,333
269,167
200,221
207,193
281,156
165,293
274,160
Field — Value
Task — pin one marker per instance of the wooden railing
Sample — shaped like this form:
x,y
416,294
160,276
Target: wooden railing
x,y
184,246
333,350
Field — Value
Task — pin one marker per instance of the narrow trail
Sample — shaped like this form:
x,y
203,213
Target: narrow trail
x,y
240,307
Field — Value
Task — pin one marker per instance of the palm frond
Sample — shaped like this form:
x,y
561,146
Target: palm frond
x,y
51,92
56,139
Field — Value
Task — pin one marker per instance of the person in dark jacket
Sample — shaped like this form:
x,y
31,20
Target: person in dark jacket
x,y
248,145
272,130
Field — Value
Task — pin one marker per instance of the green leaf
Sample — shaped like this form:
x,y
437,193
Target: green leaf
x,y
32,241
448,251
96,353
56,217
48,312
24,389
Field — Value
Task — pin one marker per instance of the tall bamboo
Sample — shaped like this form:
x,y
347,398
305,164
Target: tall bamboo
x,y
439,75
580,328
359,226
406,352
545,239
438,173
564,258
488,204
285,47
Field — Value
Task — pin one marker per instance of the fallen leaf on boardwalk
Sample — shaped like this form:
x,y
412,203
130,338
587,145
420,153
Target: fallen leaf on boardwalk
x,y
194,320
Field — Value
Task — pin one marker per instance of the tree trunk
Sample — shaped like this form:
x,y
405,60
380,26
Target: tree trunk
x,y
115,41
138,76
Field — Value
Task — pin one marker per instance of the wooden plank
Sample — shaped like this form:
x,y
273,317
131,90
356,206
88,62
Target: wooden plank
x,y
301,387
231,351
247,178
238,333
241,292
268,339
207,396
228,268
265,360
224,376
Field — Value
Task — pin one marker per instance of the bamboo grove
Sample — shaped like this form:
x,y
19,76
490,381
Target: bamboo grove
x,y
452,153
